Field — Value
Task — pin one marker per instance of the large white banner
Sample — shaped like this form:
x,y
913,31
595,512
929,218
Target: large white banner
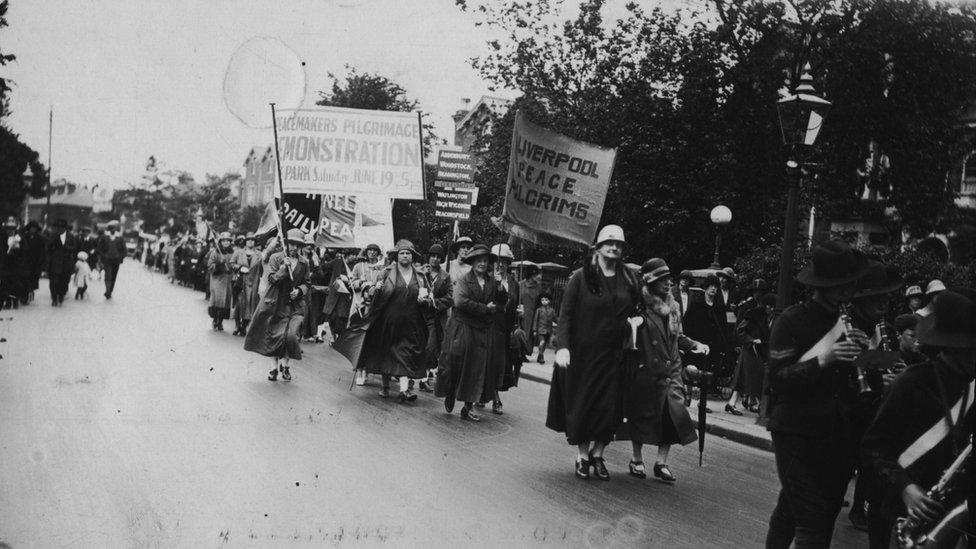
x,y
351,151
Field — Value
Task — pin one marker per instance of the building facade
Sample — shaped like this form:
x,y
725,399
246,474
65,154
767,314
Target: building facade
x,y
257,185
473,122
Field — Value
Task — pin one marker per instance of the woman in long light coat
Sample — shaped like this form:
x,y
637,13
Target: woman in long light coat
x,y
219,265
247,264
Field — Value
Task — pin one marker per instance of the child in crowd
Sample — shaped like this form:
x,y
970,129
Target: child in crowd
x,y
82,275
543,324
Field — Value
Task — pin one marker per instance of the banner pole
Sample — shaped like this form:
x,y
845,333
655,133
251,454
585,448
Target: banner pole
x,y
281,190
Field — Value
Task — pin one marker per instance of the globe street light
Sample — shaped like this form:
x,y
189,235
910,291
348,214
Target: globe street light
x,y
801,115
28,178
720,216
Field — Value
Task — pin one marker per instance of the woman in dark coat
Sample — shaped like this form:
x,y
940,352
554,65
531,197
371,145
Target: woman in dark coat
x,y
469,338
219,262
247,262
752,332
654,410
705,322
396,339
273,331
501,369
585,395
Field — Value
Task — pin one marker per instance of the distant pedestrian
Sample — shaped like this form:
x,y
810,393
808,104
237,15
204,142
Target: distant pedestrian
x,y
34,245
111,252
219,265
14,266
752,332
61,251
274,329
682,292
82,275
543,325
530,288
705,322
585,395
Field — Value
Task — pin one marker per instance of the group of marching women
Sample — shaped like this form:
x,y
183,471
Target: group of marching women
x,y
235,269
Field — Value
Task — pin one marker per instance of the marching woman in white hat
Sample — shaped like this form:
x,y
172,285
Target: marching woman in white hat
x,y
219,262
501,370
584,399
274,328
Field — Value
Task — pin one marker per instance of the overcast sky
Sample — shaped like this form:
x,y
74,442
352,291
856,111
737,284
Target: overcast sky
x,y
129,79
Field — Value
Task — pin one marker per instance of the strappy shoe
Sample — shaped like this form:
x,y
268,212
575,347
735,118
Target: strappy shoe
x,y
637,469
449,403
286,374
496,407
582,469
273,375
468,414
729,409
663,473
599,468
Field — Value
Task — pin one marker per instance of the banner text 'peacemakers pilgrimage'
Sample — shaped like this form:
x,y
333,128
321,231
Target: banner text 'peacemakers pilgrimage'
x,y
353,151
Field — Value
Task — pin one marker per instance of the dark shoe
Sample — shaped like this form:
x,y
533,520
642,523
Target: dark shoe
x,y
407,396
540,360
858,517
732,410
273,375
425,387
449,403
479,404
599,468
286,374
468,414
496,407
385,392
582,469
637,469
662,473
708,410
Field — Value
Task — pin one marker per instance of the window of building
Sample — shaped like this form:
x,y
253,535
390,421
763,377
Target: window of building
x,y
968,184
267,193
249,195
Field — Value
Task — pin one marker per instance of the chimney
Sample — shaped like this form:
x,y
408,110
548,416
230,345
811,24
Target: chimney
x,y
463,111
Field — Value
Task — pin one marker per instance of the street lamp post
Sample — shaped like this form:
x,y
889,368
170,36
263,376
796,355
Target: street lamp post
x,y
801,115
720,216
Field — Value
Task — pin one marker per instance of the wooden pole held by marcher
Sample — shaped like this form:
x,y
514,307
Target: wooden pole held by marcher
x,y
281,190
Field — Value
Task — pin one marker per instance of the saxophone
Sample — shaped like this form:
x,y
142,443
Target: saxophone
x,y
913,532
845,317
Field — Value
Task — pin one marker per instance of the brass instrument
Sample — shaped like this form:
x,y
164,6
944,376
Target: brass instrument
x,y
913,532
884,343
845,317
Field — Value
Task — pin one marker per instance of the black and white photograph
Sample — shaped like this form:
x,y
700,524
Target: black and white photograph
x,y
488,273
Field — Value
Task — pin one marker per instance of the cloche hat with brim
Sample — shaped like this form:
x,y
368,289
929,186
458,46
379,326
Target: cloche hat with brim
x,y
437,250
654,269
225,236
295,236
834,263
503,251
878,279
404,244
935,287
952,322
372,247
477,251
610,233
461,241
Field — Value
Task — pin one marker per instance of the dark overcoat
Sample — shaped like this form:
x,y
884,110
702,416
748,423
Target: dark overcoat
x,y
468,340
501,369
273,330
750,369
396,339
585,397
436,315
653,391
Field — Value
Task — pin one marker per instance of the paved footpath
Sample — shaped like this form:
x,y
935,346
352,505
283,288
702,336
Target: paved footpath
x,y
129,423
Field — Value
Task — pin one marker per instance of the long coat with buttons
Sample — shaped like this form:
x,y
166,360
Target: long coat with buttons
x,y
653,393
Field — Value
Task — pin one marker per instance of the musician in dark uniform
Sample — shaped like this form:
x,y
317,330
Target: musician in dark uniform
x,y
868,307
812,398
923,424
907,341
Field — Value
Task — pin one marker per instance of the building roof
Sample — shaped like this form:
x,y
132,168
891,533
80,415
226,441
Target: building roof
x,y
67,194
496,105
258,154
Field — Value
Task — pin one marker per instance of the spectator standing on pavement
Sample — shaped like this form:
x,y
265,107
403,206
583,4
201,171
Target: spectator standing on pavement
x,y
463,365
15,266
543,325
752,332
585,395
934,288
220,267
273,331
111,252
396,339
812,398
682,292
530,288
34,245
61,251
705,322
654,393
437,314
247,265
82,275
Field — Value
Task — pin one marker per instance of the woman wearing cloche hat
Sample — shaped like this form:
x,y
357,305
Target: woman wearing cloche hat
x,y
273,331
247,266
219,262
585,395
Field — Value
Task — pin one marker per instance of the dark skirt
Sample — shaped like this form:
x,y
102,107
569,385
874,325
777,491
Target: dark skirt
x,y
218,313
273,330
462,368
584,401
748,376
396,339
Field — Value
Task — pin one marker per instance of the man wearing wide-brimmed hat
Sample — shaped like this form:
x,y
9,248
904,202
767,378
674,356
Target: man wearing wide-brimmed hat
x,y
812,394
62,249
924,424
111,251
274,328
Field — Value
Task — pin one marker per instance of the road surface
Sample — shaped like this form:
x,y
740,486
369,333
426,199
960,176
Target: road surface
x,y
129,423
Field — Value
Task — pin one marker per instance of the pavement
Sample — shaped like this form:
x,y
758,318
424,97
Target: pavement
x,y
129,423
742,429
